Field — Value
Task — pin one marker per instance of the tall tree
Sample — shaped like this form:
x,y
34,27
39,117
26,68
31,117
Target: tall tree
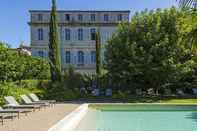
x,y
147,52
98,53
98,56
54,46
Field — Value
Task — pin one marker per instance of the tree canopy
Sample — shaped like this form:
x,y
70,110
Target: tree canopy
x,y
17,66
149,52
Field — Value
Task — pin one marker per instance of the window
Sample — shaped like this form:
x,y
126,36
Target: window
x,y
80,57
40,34
40,53
68,60
93,56
93,17
120,17
80,17
106,17
80,34
67,34
40,18
93,34
67,17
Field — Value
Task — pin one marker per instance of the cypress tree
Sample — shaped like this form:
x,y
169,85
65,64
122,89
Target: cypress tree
x,y
54,46
98,56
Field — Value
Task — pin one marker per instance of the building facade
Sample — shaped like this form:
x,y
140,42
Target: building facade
x,y
77,35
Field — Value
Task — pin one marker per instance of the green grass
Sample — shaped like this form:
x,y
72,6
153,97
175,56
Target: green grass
x,y
180,101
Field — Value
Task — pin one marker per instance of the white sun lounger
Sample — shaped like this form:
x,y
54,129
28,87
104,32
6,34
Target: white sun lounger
x,y
28,101
35,98
12,103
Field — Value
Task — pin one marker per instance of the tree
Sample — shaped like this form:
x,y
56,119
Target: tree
x,y
188,3
15,66
98,56
147,52
54,46
98,53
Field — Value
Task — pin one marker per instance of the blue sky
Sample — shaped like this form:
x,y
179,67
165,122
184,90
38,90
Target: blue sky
x,y
14,13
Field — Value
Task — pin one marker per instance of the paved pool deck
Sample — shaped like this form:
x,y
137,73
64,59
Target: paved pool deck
x,y
39,120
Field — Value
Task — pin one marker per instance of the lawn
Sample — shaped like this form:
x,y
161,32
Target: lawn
x,y
180,101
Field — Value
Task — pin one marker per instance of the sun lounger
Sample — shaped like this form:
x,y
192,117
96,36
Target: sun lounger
x,y
12,103
6,116
28,101
14,111
35,98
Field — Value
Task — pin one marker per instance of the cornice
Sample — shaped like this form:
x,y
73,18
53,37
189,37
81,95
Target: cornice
x,y
74,24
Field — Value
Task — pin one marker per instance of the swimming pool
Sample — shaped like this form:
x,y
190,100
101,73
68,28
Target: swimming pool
x,y
139,117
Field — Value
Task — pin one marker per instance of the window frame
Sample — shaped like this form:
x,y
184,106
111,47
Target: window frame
x,y
40,17
80,56
93,33
80,34
106,17
41,53
120,17
93,57
40,34
93,17
67,17
80,17
67,57
67,34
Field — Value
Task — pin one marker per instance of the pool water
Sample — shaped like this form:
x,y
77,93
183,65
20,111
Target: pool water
x,y
152,119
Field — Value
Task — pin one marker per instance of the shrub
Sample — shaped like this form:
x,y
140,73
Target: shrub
x,y
16,89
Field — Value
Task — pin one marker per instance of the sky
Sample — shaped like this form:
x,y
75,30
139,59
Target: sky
x,y
14,14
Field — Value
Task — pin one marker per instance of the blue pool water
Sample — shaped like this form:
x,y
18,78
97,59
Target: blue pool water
x,y
152,119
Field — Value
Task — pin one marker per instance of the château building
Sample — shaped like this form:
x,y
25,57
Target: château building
x,y
77,34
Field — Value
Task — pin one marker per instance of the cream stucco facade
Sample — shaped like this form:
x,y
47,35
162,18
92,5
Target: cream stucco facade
x,y
76,31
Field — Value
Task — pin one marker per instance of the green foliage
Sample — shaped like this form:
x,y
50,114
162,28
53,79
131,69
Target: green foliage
x,y
59,92
73,79
54,46
16,66
16,89
148,52
98,53
188,3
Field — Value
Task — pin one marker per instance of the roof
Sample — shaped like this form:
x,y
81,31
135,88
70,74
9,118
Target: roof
x,y
87,11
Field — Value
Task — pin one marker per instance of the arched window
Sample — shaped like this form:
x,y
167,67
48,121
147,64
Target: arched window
x,y
93,57
40,34
67,34
80,34
41,53
80,57
68,57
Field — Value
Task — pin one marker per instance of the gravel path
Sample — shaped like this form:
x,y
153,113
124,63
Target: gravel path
x,y
39,120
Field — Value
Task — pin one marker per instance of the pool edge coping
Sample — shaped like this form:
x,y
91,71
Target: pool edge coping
x,y
71,120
